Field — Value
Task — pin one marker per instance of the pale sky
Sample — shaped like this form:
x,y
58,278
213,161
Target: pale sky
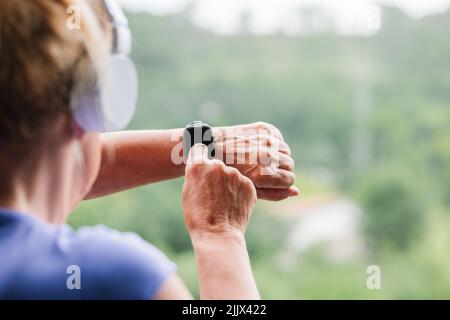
x,y
268,16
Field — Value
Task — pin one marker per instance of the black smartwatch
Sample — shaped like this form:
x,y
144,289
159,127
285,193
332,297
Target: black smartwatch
x,y
198,132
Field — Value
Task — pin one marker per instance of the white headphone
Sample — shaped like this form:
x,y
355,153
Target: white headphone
x,y
111,105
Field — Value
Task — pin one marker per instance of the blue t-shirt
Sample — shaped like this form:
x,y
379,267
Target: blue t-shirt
x,y
44,261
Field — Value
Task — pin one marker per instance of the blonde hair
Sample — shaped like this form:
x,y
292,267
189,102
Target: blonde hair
x,y
43,63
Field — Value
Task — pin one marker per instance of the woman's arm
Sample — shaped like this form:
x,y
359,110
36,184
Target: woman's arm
x,y
135,158
217,203
173,288
224,268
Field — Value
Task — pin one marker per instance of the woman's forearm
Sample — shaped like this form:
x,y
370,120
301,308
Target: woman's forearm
x,y
224,269
134,158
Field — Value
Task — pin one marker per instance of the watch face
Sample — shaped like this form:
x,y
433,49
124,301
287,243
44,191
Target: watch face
x,y
198,132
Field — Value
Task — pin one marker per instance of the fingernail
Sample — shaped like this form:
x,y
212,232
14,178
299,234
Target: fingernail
x,y
295,191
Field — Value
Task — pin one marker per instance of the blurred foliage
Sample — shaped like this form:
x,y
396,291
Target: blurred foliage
x,y
394,209
307,86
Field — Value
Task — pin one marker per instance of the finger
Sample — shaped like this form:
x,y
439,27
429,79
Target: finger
x,y
198,154
279,179
286,162
283,147
294,191
272,130
228,170
249,185
272,194
264,128
277,144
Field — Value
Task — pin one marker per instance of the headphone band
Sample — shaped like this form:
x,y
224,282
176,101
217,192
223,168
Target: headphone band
x,y
110,105
120,28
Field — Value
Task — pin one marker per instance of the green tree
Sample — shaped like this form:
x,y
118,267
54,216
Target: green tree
x,y
393,209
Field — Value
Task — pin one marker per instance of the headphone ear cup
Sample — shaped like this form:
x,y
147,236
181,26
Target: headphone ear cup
x,y
87,109
119,93
110,104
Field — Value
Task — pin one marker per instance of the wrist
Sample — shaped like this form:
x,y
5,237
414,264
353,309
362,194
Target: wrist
x,y
219,138
219,133
224,266
217,240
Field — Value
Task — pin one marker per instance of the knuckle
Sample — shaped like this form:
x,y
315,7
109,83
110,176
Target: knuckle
x,y
288,148
289,163
233,176
274,142
252,192
291,166
271,158
263,124
290,179
292,162
273,130
233,172
285,146
247,184
267,127
265,139
194,169
216,166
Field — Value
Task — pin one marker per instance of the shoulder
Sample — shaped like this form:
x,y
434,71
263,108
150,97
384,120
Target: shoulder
x,y
119,265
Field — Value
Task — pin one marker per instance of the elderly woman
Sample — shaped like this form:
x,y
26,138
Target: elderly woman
x,y
54,107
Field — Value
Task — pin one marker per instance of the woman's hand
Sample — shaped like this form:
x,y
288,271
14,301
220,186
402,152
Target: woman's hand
x,y
217,199
218,202
135,158
258,151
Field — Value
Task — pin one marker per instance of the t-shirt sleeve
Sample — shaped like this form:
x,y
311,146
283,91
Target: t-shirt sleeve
x,y
116,265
